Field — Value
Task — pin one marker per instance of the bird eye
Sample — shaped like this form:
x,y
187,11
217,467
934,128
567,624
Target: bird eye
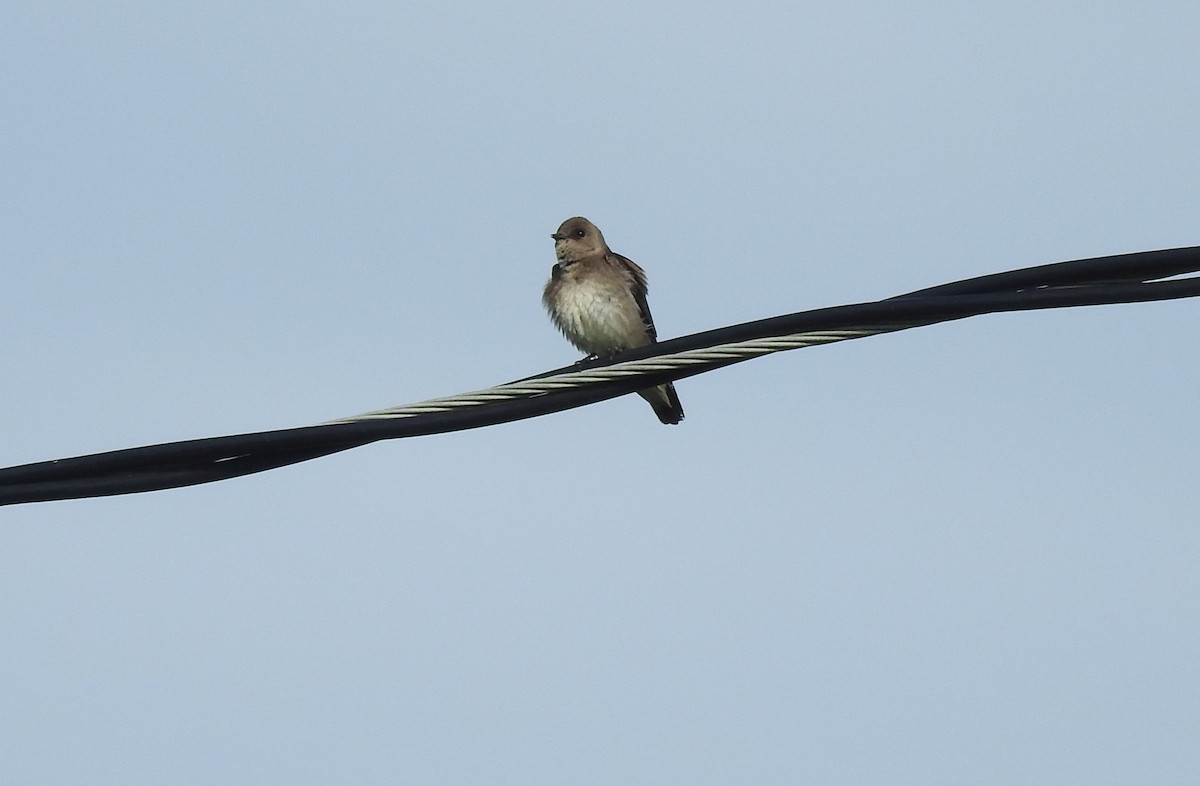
x,y
579,233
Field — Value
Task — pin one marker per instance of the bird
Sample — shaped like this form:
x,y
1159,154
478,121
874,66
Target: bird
x,y
597,298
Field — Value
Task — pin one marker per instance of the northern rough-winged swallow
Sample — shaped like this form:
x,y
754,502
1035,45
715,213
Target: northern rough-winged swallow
x,y
598,300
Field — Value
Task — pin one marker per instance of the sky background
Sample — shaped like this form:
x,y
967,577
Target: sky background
x,y
960,554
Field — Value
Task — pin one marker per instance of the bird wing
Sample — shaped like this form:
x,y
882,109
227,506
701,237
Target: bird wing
x,y
640,288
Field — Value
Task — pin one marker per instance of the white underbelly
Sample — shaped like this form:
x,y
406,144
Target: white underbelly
x,y
598,320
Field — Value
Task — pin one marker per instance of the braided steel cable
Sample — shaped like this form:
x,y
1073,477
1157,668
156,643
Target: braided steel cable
x,y
633,369
1125,278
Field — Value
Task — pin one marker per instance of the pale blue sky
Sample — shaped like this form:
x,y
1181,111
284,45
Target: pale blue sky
x,y
960,554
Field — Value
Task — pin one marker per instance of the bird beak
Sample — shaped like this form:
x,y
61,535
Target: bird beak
x,y
558,236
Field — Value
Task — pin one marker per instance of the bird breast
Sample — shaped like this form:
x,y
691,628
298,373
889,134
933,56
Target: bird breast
x,y
598,316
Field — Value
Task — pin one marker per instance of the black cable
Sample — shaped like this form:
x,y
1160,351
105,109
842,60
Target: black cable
x,y
1124,278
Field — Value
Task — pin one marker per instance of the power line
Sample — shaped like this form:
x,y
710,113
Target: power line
x,y
1125,278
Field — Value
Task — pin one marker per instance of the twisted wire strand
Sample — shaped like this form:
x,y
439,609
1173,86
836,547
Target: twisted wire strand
x,y
540,386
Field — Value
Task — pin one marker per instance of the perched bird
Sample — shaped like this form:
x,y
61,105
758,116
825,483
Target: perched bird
x,y
597,298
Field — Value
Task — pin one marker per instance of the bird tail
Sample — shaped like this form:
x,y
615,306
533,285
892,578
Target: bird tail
x,y
665,401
